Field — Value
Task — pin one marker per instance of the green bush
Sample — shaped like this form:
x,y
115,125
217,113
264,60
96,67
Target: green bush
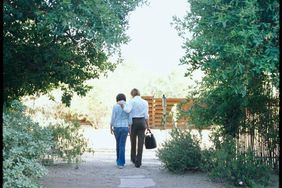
x,y
226,165
24,144
69,143
181,153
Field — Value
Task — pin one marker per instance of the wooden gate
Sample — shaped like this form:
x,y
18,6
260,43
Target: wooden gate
x,y
156,116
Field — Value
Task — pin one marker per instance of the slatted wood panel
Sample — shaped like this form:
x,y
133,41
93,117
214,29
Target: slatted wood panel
x,y
257,143
156,111
150,100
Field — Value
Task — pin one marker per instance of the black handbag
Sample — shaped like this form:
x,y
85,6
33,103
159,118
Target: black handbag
x,y
150,141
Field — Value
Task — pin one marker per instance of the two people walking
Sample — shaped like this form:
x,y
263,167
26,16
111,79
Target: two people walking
x,y
130,117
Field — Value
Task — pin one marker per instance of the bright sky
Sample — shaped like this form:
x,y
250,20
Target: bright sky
x,y
154,43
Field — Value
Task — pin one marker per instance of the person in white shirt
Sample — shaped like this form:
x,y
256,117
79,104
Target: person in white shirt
x,y
138,121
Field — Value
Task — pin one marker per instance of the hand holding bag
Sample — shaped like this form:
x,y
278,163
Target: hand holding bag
x,y
150,141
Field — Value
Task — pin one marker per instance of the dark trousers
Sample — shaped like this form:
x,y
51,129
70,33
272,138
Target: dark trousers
x,y
138,128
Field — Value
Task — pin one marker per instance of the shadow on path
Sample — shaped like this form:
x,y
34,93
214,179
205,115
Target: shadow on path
x,y
99,170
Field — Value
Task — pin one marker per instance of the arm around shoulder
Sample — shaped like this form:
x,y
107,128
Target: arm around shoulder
x,y
127,107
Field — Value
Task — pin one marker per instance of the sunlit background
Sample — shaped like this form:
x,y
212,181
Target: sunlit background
x,y
150,63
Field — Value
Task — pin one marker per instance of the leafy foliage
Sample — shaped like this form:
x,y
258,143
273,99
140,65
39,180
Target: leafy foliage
x,y
51,44
69,143
226,164
236,44
24,144
27,145
231,43
181,153
224,161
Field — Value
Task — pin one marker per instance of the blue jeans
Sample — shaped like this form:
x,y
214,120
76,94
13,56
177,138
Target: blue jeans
x,y
120,135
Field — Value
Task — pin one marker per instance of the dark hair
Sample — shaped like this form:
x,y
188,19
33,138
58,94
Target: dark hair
x,y
135,92
120,97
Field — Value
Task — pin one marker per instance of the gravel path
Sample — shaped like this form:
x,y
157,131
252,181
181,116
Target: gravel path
x,y
99,170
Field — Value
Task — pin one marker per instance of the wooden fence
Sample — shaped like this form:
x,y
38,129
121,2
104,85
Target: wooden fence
x,y
156,114
269,154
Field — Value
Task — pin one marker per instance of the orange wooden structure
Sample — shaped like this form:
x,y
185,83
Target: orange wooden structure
x,y
156,112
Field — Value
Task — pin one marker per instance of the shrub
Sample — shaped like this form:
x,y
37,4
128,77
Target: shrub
x,y
24,143
252,169
226,165
69,143
181,153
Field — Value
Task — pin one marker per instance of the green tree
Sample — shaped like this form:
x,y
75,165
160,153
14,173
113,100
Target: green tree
x,y
236,44
60,43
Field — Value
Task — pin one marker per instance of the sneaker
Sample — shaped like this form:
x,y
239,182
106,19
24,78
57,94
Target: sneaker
x,y
120,167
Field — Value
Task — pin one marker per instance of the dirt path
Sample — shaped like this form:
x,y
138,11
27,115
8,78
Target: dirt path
x,y
99,170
